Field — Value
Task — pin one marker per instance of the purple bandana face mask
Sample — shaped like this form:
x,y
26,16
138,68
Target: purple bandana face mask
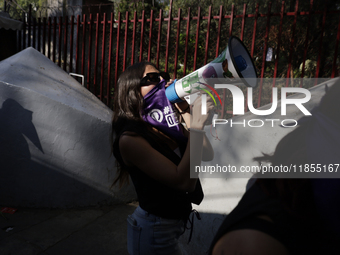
x,y
159,112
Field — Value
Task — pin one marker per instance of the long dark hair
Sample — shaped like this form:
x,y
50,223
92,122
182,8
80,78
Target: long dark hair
x,y
128,101
127,114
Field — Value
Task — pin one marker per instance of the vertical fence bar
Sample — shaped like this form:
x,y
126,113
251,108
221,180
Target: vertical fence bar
x,y
49,25
117,49
278,43
159,37
96,57
334,68
71,43
243,21
103,57
44,36
34,38
230,34
29,25
254,30
320,47
108,87
83,46
306,40
141,37
77,43
65,43
197,36
242,34
264,54
292,43
177,41
89,53
24,32
134,37
125,39
186,44
231,20
19,39
59,40
207,37
219,31
168,38
39,34
54,44
150,36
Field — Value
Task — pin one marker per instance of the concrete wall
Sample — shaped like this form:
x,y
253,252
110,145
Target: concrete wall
x,y
54,138
237,146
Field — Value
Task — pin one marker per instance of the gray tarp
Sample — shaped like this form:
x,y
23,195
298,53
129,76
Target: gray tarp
x,y
54,138
7,23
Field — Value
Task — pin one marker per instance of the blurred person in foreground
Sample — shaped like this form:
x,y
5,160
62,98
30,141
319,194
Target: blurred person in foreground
x,y
292,216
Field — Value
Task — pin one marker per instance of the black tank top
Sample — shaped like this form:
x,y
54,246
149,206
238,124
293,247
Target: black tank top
x,y
298,235
159,199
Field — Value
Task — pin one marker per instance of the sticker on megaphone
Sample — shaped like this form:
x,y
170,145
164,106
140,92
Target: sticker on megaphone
x,y
233,66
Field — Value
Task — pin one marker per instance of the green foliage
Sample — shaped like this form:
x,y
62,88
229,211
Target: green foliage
x,y
15,10
309,70
147,5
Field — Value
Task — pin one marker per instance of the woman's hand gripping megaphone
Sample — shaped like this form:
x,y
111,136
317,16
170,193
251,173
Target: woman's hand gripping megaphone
x,y
199,120
182,107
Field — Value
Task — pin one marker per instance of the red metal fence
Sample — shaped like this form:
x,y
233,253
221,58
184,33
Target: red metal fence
x,y
100,46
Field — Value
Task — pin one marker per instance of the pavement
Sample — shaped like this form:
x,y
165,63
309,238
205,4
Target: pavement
x,y
102,230
92,230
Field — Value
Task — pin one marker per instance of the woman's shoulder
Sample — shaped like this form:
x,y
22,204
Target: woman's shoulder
x,y
133,148
129,134
122,125
131,139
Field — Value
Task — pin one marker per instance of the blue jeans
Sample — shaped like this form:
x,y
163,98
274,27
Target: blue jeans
x,y
148,234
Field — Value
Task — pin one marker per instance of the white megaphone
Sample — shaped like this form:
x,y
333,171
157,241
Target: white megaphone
x,y
233,66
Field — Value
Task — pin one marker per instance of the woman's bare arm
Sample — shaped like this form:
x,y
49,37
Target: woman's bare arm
x,y
208,151
136,151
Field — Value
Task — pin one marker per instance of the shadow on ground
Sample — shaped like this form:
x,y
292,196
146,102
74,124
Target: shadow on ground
x,y
86,231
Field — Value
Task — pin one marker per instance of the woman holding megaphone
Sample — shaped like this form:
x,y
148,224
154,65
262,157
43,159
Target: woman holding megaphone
x,y
153,148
